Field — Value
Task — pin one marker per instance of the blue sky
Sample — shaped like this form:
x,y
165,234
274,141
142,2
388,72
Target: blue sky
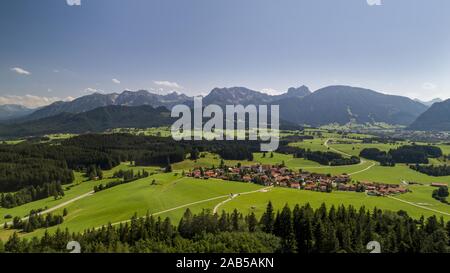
x,y
50,50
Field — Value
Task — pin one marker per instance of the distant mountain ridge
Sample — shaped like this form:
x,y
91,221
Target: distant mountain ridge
x,y
245,96
298,106
344,104
12,111
436,118
93,101
97,120
430,102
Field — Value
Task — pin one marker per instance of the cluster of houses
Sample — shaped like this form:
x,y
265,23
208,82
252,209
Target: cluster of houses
x,y
270,175
380,189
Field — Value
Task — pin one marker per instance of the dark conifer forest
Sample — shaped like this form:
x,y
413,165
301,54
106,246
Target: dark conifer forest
x,y
302,229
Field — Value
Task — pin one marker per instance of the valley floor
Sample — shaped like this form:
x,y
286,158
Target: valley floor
x,y
171,193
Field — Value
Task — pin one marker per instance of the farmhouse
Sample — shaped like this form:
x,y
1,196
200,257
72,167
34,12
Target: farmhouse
x,y
438,185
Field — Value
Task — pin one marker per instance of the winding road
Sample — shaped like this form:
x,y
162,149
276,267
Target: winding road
x,y
341,152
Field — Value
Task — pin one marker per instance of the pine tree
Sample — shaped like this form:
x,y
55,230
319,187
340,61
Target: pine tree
x,y
185,225
235,220
447,227
268,220
319,238
167,229
13,245
252,222
224,223
2,247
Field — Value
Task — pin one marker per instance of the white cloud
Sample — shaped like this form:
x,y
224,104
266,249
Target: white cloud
x,y
168,84
374,2
429,86
73,2
270,91
28,100
69,98
93,90
116,81
20,71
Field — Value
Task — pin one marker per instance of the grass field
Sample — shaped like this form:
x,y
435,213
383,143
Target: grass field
x,y
173,193
79,187
121,202
257,202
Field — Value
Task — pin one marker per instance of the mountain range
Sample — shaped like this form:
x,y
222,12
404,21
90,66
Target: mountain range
x,y
245,96
436,118
430,102
298,106
344,104
96,100
13,111
97,120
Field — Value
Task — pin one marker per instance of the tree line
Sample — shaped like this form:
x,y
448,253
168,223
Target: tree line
x,y
441,194
301,230
30,194
34,164
384,158
127,176
409,154
324,158
433,170
36,221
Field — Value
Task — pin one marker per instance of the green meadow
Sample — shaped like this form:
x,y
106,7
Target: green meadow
x,y
257,202
171,193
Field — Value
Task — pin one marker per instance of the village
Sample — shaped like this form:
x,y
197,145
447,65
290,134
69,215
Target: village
x,y
281,176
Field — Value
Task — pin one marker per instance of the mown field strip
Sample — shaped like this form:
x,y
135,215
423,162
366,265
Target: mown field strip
x,y
419,206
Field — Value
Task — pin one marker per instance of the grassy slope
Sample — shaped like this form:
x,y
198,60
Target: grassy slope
x,y
119,203
280,196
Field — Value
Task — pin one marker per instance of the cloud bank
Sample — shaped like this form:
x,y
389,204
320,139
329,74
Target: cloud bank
x,y
168,84
30,101
374,2
73,2
93,90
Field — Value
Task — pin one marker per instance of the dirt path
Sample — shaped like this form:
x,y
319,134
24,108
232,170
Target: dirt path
x,y
58,206
196,203
336,150
341,152
216,208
